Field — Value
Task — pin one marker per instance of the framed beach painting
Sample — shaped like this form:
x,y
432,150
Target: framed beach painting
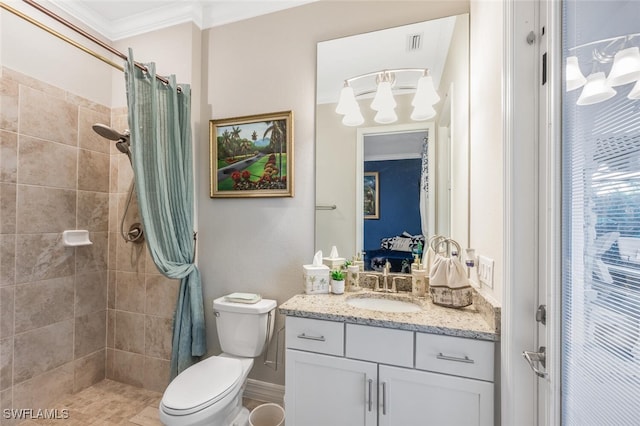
x,y
252,156
371,195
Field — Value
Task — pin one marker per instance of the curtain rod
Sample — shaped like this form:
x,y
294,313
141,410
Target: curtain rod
x,y
79,31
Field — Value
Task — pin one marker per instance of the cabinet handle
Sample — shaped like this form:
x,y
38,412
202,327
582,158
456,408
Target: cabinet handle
x,y
370,394
466,359
384,398
317,338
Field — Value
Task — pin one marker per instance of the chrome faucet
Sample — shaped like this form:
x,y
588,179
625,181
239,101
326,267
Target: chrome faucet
x,y
384,285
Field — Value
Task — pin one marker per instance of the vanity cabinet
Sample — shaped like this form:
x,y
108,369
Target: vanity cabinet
x,y
355,375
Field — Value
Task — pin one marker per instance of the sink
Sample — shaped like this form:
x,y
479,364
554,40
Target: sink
x,y
383,305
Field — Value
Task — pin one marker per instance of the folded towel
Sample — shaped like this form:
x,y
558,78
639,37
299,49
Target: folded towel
x,y
243,298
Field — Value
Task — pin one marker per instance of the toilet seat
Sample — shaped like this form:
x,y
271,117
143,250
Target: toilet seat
x,y
202,385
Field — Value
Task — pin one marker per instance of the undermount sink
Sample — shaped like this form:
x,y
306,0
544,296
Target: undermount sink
x,y
383,304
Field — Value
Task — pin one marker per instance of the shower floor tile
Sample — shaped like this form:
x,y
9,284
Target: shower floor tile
x,y
110,403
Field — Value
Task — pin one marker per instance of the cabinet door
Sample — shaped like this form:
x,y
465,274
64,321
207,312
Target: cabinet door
x,y
411,398
322,390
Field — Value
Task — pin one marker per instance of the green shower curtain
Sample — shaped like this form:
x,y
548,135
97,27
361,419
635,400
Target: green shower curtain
x,y
159,120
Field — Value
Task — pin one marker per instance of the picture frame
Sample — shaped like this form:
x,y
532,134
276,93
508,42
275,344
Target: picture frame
x,y
252,156
371,196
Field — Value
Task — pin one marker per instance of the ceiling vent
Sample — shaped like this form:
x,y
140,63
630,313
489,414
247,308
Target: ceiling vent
x,y
414,42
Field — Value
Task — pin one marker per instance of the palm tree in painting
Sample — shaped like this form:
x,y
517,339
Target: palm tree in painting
x,y
226,142
235,137
278,134
254,136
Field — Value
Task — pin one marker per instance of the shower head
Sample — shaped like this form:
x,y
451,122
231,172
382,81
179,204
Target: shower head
x,y
122,139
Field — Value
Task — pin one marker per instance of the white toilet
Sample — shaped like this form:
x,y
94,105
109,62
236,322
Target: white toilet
x,y
210,392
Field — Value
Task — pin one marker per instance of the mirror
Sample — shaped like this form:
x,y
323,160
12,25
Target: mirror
x,y
345,215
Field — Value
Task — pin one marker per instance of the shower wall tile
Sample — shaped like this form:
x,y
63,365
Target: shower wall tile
x,y
46,163
90,333
95,257
44,390
111,290
161,296
89,370
45,210
93,211
130,332
87,138
7,259
41,350
6,363
42,256
34,105
157,336
33,83
8,156
6,402
125,173
111,328
8,104
130,292
130,257
43,303
7,298
85,103
93,171
91,292
8,208
156,374
128,368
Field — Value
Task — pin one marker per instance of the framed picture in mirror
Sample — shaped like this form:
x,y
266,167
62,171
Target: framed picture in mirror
x,y
371,195
251,156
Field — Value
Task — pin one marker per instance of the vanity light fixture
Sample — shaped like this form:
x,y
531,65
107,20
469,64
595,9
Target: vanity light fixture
x,y
383,102
598,87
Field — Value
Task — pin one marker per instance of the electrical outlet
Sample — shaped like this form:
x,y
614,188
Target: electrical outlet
x,y
485,271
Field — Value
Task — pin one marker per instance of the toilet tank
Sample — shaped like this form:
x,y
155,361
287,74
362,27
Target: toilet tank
x,y
243,329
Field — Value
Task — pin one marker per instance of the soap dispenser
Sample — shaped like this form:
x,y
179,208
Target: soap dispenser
x,y
418,279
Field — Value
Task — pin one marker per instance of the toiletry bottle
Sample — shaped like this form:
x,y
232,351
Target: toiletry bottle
x,y
418,281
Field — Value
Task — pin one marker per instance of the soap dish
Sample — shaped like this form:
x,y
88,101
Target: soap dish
x,y
76,237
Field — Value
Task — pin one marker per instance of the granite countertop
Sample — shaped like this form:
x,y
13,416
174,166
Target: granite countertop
x,y
466,322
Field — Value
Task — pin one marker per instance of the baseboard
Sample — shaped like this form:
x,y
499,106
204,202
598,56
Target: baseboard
x,y
264,391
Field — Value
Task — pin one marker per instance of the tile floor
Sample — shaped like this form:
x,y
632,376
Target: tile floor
x,y
112,403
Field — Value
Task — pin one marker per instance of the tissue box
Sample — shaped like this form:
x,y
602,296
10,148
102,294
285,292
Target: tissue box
x,y
316,279
334,262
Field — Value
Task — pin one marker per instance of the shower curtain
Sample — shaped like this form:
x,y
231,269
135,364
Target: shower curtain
x,y
424,189
159,120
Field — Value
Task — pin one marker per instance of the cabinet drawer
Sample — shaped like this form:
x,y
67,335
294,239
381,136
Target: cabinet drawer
x,y
455,355
384,345
326,337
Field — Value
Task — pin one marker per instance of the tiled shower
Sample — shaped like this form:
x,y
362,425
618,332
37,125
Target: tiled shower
x,y
69,317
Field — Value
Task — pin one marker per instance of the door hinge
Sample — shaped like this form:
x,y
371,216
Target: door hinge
x,y
536,357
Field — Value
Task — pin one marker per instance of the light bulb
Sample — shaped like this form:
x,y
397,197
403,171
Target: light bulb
x,y
573,75
625,68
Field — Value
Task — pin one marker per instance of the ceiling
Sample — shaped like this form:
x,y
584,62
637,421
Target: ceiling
x,y
117,19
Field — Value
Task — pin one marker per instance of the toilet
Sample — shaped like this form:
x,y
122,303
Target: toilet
x,y
210,392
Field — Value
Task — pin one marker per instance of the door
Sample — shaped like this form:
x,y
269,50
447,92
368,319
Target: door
x,y
600,284
323,390
415,398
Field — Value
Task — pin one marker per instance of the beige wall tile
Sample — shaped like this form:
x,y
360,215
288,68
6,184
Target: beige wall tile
x,y
45,390
128,368
93,258
156,374
93,171
7,259
162,295
130,291
157,337
89,370
7,297
34,83
61,124
8,155
111,328
46,163
8,195
90,333
87,138
129,257
45,210
111,290
42,256
93,211
130,329
91,292
41,350
8,104
114,219
6,402
109,363
43,303
125,173
6,363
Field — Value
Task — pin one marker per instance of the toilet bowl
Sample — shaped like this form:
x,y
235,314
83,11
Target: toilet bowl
x,y
210,392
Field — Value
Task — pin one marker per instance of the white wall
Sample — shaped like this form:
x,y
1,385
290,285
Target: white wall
x,y
262,65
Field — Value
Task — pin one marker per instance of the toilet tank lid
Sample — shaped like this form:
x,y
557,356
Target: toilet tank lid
x,y
261,307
